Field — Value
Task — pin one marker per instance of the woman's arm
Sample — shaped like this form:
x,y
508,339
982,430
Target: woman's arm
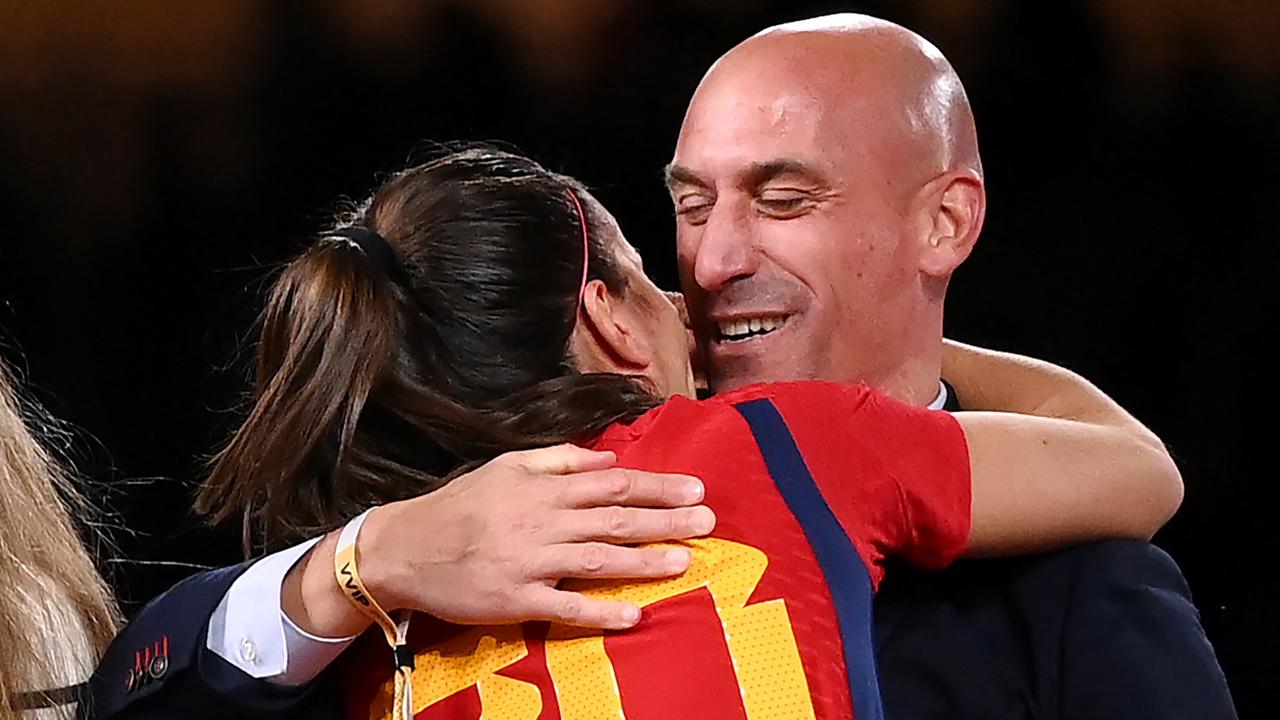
x,y
1054,460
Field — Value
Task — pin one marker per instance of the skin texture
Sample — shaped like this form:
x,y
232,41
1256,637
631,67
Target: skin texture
x,y
827,172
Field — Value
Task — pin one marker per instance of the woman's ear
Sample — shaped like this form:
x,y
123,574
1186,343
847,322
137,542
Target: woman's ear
x,y
608,336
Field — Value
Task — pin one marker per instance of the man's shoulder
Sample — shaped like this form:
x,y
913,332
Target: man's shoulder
x,y
1096,571
1101,562
1123,562
1017,607
1031,579
1101,628
1107,556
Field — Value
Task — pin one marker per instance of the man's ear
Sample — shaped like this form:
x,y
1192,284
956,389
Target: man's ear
x,y
608,335
954,221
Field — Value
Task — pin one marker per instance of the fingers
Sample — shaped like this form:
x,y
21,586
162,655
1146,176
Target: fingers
x,y
570,608
682,308
619,486
697,361
632,525
559,460
600,561
590,480
696,358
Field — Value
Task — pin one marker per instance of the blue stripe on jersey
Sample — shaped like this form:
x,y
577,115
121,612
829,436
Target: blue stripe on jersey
x,y
842,566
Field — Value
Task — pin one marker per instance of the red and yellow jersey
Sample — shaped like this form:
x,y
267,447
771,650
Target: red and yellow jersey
x,y
813,485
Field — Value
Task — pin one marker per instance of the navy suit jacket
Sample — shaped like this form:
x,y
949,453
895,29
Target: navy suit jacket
x,y
1099,632
1095,632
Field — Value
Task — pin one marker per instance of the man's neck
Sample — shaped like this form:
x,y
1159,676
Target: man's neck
x,y
914,370
916,384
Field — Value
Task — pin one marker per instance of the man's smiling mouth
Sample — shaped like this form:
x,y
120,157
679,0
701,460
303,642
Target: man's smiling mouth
x,y
746,328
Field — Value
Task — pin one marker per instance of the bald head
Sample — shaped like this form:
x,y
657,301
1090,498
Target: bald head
x,y
873,74
826,182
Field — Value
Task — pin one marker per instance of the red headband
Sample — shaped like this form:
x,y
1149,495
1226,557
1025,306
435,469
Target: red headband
x,y
586,251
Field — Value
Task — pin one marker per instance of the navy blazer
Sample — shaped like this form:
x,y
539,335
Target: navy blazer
x,y
1098,632
1095,632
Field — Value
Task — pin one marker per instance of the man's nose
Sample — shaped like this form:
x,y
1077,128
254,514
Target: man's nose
x,y
726,249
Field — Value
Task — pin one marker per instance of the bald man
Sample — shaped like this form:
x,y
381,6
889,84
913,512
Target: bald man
x,y
827,183
827,179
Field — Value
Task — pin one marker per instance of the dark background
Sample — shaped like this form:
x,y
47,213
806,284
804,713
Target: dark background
x,y
157,158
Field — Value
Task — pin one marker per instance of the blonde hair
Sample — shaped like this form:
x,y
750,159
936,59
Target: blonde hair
x,y
57,615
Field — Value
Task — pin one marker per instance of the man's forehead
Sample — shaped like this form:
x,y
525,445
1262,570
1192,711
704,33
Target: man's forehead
x,y
748,143
748,104
732,128
753,124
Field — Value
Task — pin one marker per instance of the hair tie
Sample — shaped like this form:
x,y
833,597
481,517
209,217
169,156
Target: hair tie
x,y
586,251
375,247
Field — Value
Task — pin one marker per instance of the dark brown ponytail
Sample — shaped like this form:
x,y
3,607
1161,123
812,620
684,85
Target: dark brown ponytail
x,y
374,386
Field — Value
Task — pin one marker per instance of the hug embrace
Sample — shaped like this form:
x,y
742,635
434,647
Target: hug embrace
x,y
490,469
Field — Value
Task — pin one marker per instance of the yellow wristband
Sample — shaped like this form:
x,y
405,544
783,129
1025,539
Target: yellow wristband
x,y
346,570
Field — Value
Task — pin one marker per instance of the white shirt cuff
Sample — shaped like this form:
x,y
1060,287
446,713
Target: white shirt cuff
x,y
940,402
250,630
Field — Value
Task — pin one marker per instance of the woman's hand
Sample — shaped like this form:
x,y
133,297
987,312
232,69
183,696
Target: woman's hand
x,y
697,360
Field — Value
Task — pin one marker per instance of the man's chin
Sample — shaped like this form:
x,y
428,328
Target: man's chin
x,y
740,374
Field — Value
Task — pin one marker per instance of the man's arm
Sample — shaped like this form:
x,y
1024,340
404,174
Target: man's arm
x,y
250,629
159,666
530,519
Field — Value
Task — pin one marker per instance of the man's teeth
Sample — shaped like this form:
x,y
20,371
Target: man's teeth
x,y
749,327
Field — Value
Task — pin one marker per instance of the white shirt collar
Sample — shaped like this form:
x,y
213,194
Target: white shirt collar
x,y
940,401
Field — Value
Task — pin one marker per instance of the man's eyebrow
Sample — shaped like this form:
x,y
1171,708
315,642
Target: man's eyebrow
x,y
760,173
680,175
755,174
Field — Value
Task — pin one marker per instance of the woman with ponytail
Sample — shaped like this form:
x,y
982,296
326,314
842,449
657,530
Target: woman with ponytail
x,y
480,304
427,333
